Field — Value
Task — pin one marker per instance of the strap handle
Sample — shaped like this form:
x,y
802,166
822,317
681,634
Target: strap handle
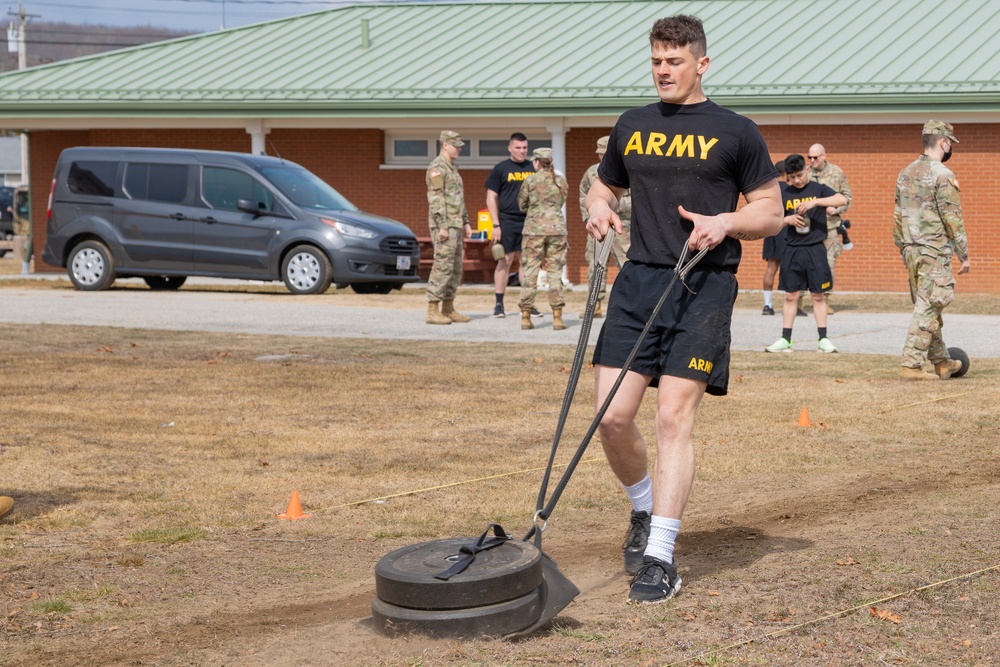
x,y
469,551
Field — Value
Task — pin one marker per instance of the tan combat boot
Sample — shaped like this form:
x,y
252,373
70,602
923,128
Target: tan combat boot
x,y
526,319
946,369
917,374
557,320
434,316
448,310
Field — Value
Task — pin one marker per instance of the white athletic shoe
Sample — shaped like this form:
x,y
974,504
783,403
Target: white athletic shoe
x,y
780,345
826,346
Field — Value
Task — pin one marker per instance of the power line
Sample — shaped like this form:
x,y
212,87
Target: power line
x,y
33,42
174,12
37,29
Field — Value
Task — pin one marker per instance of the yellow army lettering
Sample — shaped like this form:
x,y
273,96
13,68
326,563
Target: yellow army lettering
x,y
794,203
518,175
825,286
700,365
681,145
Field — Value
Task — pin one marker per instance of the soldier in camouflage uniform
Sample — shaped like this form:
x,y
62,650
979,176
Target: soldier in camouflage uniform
x,y
833,177
449,223
542,197
928,229
620,244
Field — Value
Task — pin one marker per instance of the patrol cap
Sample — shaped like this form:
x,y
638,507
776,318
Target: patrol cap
x,y
941,128
542,154
450,137
602,144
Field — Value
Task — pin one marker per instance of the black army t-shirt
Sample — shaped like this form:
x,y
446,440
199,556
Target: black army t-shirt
x,y
505,179
700,156
816,217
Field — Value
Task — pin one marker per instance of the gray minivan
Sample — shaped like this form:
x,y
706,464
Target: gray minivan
x,y
165,214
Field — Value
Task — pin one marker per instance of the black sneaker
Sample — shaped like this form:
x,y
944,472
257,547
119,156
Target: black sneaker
x,y
768,310
656,582
498,310
800,313
635,541
535,312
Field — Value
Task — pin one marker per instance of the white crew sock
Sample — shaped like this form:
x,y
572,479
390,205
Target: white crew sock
x,y
767,298
662,535
641,494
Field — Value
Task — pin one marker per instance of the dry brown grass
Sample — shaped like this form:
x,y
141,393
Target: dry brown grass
x,y
148,466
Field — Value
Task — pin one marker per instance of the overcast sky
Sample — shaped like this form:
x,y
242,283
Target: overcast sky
x,y
188,15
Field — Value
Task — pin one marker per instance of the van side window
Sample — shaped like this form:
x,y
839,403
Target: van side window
x,y
93,177
156,182
222,188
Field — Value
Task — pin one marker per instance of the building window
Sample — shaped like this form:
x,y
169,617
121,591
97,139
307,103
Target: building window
x,y
481,150
404,148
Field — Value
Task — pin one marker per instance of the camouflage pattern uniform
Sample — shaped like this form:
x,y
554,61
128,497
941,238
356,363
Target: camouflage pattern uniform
x,y
928,229
621,242
833,177
446,210
542,197
22,225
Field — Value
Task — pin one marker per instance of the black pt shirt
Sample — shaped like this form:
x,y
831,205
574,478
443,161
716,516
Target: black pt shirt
x,y
505,179
791,197
699,156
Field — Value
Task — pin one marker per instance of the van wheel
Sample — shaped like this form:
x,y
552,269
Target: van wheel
x,y
164,282
91,267
306,270
372,288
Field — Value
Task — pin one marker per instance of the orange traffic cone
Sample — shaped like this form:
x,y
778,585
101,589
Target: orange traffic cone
x,y
804,417
294,510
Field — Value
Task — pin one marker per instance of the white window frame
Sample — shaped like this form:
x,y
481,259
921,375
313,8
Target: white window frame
x,y
471,161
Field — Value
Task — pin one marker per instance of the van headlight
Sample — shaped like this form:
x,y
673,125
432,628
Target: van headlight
x,y
347,229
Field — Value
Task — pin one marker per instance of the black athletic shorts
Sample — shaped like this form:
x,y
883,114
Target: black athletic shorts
x,y
691,335
805,267
774,246
510,236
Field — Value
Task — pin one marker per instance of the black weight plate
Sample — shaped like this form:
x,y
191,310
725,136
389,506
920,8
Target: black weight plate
x,y
493,620
405,577
959,354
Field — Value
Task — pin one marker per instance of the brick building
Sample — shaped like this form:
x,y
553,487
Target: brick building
x,y
358,95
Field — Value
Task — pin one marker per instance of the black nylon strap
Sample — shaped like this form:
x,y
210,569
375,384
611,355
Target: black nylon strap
x,y
469,551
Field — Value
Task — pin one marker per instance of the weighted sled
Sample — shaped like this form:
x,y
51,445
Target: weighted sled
x,y
406,577
492,620
959,354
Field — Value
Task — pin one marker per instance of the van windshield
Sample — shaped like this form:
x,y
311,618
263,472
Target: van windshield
x,y
306,189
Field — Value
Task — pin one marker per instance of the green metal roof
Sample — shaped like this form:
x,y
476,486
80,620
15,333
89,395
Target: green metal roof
x,y
565,58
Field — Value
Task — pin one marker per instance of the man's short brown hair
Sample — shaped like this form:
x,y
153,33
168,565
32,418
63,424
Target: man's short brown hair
x,y
680,30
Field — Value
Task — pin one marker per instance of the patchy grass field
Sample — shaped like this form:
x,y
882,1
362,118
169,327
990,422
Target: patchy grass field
x,y
147,469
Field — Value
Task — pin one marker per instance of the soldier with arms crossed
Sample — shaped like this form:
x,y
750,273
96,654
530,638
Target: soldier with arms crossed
x,y
686,161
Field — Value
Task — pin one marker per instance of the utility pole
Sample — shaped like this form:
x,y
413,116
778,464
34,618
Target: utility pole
x,y
16,42
15,35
